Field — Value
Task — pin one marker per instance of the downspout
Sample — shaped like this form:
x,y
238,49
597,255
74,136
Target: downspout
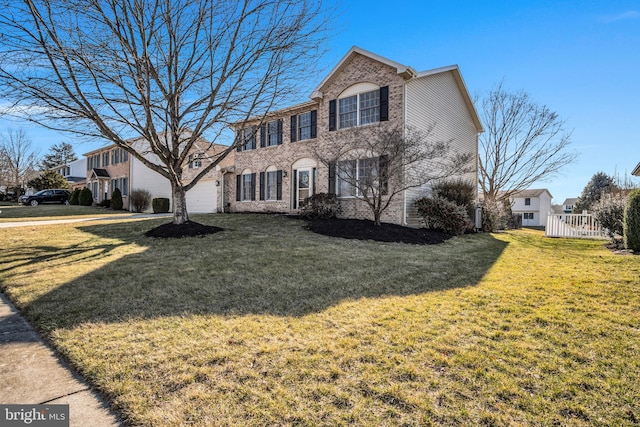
x,y
224,171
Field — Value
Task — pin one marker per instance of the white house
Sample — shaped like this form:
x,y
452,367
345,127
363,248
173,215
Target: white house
x,y
74,172
533,205
569,204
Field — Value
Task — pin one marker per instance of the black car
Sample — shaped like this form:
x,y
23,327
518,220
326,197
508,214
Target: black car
x,y
46,196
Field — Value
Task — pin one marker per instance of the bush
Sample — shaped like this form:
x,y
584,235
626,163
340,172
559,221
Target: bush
x,y
140,200
116,200
106,203
439,213
632,221
609,211
496,217
160,205
459,191
320,206
74,199
86,197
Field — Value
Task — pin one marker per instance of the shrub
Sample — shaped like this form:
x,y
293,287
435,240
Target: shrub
x,y
74,199
106,203
459,191
497,216
321,206
86,197
160,205
441,214
632,221
116,200
140,200
609,211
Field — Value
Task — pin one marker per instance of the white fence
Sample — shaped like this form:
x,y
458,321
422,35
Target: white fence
x,y
581,226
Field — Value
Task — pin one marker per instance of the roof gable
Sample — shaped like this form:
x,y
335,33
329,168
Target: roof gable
x,y
404,71
531,193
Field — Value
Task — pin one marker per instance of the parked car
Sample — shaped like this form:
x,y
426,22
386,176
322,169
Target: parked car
x,y
46,196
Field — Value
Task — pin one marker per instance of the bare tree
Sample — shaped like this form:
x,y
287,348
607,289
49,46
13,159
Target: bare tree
x,y
523,143
167,72
18,159
376,164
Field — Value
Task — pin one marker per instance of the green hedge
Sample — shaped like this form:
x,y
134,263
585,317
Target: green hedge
x,y
632,221
86,197
160,205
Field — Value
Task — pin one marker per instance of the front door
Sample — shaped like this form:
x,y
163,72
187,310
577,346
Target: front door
x,y
304,186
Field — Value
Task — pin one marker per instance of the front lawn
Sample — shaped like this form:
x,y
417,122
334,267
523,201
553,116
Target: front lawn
x,y
14,212
268,323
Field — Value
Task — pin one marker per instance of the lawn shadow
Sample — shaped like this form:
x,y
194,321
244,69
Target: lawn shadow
x,y
277,268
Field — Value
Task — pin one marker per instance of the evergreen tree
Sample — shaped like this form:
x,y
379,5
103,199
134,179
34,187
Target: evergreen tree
x,y
59,154
600,183
48,179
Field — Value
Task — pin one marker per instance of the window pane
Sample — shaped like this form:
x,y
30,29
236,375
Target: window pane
x,y
272,131
304,126
246,187
271,187
370,107
346,172
348,108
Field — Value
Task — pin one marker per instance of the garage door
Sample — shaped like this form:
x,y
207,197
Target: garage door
x,y
203,197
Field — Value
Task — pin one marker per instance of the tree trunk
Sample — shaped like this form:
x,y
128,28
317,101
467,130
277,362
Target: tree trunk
x,y
180,215
376,218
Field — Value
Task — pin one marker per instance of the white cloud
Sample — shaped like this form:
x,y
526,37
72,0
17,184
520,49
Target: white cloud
x,y
630,14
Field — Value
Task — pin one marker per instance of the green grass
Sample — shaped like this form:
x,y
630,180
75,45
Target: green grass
x,y
269,324
14,212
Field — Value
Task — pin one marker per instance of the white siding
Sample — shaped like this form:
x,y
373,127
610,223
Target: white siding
x,y
143,178
540,207
436,100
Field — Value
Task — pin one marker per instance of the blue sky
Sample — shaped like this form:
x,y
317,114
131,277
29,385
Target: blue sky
x,y
580,58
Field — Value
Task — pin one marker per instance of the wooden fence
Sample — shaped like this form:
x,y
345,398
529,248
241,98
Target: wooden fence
x,y
581,226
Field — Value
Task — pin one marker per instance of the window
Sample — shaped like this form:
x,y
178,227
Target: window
x,y
527,202
528,215
358,177
105,159
271,184
124,186
248,135
274,133
348,112
304,126
246,187
194,161
370,107
360,109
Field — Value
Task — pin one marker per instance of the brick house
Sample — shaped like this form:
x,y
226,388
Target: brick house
x,y
111,167
279,166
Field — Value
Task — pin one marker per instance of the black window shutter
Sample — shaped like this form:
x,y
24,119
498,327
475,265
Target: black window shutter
x,y
294,128
314,123
279,185
253,186
240,139
263,135
332,115
384,103
280,131
314,174
238,187
262,185
383,173
332,178
294,190
254,131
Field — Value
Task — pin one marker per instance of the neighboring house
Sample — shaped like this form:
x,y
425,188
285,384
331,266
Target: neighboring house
x,y
569,205
74,172
636,171
112,167
533,205
280,166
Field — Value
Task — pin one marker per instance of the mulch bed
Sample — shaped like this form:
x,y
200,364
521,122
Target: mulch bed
x,y
188,229
366,230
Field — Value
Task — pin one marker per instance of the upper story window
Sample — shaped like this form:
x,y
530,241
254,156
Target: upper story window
x,y
304,126
527,201
118,155
274,133
105,158
93,162
361,104
195,161
248,135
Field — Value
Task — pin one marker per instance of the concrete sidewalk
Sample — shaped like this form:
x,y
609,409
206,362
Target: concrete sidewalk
x,y
72,220
31,373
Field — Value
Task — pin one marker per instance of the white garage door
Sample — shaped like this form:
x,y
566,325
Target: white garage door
x,y
202,198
